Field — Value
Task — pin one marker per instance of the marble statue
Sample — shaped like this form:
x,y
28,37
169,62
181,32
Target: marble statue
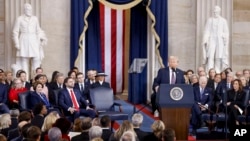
x,y
29,40
215,42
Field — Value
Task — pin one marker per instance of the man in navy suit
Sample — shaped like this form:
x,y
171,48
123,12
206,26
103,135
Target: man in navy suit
x,y
168,75
3,99
100,77
81,86
202,98
72,103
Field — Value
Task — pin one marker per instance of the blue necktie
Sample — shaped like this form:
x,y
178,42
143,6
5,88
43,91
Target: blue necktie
x,y
45,101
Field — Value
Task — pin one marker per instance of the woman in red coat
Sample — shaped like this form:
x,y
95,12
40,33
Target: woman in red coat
x,y
17,88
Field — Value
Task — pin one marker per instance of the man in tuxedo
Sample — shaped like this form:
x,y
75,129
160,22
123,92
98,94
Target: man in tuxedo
x,y
168,75
100,81
72,103
202,99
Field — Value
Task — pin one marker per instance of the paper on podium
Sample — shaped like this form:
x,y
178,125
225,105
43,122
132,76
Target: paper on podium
x,y
137,65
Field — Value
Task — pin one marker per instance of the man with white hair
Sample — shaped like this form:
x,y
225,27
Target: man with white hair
x,y
95,132
202,99
215,42
137,120
54,134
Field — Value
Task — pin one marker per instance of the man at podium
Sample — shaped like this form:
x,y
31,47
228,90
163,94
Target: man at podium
x,y
168,75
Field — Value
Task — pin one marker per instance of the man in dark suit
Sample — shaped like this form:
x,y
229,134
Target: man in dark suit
x,y
22,75
105,122
100,81
137,120
54,87
81,86
72,103
3,99
202,99
168,75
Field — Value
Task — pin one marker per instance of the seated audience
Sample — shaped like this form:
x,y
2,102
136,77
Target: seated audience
x,y
168,135
100,81
72,103
235,102
23,118
105,122
15,90
39,112
128,136
33,133
64,125
202,99
5,122
49,120
77,128
126,126
54,134
137,120
158,127
86,125
95,132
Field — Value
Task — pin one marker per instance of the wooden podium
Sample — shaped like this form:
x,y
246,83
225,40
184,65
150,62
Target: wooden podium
x,y
175,102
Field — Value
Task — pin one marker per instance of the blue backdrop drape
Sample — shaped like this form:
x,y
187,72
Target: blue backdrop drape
x,y
138,39
138,49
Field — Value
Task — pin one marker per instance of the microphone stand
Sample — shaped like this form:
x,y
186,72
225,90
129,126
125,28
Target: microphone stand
x,y
225,104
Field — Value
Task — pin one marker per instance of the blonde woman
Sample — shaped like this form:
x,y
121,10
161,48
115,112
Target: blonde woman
x,y
126,126
128,136
158,127
5,122
49,120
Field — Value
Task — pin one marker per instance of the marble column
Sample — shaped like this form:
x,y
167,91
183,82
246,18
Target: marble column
x,y
2,31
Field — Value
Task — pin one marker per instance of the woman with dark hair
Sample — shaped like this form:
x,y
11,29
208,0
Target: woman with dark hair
x,y
72,74
235,101
39,112
64,125
53,77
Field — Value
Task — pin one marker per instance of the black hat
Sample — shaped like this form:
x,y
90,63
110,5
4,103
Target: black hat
x,y
101,74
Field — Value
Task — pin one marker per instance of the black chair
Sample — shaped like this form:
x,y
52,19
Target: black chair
x,y
103,99
244,117
23,101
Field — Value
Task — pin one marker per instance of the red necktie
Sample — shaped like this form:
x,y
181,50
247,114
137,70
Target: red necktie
x,y
74,101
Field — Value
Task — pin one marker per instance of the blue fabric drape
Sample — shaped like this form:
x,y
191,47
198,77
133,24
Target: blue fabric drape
x,y
93,41
78,7
138,49
159,8
92,36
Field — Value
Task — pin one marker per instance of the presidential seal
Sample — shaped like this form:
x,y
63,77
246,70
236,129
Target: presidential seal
x,y
176,93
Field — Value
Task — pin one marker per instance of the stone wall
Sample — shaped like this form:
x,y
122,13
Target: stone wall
x,y
241,35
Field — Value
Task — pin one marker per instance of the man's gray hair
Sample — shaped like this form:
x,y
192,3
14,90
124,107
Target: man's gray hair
x,y
54,134
137,119
95,132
